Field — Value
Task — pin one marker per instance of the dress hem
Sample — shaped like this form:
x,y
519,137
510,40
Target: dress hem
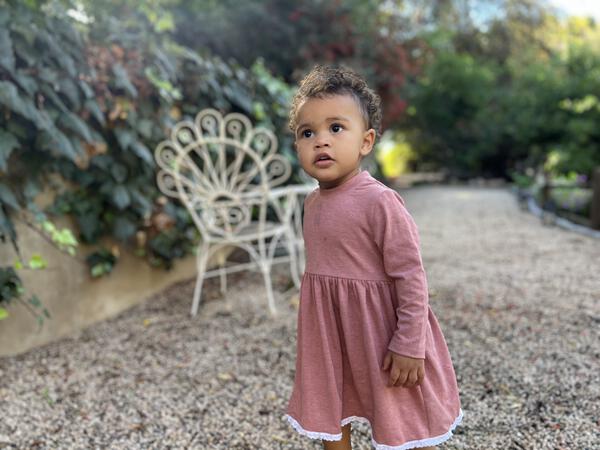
x,y
427,442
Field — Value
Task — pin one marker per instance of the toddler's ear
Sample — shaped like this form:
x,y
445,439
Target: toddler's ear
x,y
368,141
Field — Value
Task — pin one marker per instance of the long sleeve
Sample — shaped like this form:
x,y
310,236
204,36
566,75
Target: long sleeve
x,y
397,238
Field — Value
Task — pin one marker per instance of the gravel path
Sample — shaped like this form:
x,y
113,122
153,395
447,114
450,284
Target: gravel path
x,y
518,302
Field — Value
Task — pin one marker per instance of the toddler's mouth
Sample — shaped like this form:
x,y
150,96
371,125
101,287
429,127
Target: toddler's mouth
x,y
323,157
324,163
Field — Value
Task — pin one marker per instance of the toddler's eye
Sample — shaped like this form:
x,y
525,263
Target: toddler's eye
x,y
336,128
306,133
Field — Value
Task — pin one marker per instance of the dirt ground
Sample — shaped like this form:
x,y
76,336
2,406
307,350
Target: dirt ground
x,y
518,302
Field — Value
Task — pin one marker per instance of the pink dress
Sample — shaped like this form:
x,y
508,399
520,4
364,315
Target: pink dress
x,y
364,291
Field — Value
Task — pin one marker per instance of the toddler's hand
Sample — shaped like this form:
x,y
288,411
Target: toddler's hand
x,y
405,371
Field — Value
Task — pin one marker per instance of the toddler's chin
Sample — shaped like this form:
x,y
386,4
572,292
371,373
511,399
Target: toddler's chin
x,y
316,175
322,179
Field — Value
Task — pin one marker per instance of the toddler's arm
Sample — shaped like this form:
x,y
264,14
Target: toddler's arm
x,y
397,237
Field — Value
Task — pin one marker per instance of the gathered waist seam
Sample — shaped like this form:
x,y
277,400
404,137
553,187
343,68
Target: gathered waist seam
x,y
323,275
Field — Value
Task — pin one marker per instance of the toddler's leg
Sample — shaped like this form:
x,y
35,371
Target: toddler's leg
x,y
343,444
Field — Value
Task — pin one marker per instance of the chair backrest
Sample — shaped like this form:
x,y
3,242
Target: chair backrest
x,y
220,167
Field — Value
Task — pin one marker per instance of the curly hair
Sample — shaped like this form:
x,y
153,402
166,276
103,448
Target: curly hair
x,y
323,81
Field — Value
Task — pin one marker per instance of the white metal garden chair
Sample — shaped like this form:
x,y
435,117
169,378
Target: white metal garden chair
x,y
224,170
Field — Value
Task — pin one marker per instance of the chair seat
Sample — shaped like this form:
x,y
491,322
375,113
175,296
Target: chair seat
x,y
251,232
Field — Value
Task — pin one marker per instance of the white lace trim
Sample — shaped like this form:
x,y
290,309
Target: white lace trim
x,y
407,445
313,434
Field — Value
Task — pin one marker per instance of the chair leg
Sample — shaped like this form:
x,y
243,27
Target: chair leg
x,y
222,274
201,261
266,270
197,293
301,257
291,245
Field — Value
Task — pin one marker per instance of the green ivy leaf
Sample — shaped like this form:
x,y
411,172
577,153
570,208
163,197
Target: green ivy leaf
x,y
142,151
55,140
8,143
144,128
74,123
3,313
123,228
4,17
122,80
121,197
6,227
20,130
90,226
26,82
7,57
144,206
165,87
166,63
124,137
69,88
35,301
65,238
87,90
23,48
62,57
48,227
7,197
9,97
100,269
37,262
239,96
48,75
49,93
30,190
92,106
119,172
71,34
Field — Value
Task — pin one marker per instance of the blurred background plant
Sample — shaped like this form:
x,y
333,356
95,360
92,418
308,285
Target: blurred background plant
x,y
500,88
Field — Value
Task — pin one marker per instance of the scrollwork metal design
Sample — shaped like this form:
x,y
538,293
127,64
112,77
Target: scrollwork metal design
x,y
223,170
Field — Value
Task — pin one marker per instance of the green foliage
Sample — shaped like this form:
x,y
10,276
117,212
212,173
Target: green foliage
x,y
474,116
10,285
37,262
394,154
87,104
12,290
292,36
84,103
63,239
521,180
446,103
578,201
101,262
10,282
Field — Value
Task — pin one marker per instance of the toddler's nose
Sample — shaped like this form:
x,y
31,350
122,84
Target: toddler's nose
x,y
322,142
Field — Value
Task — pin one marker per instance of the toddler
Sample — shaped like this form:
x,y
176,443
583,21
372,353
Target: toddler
x,y
369,347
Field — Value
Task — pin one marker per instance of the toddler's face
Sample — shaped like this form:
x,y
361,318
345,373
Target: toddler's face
x,y
331,138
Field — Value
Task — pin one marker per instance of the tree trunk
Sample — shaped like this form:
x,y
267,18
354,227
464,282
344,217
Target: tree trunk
x,y
546,187
595,210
